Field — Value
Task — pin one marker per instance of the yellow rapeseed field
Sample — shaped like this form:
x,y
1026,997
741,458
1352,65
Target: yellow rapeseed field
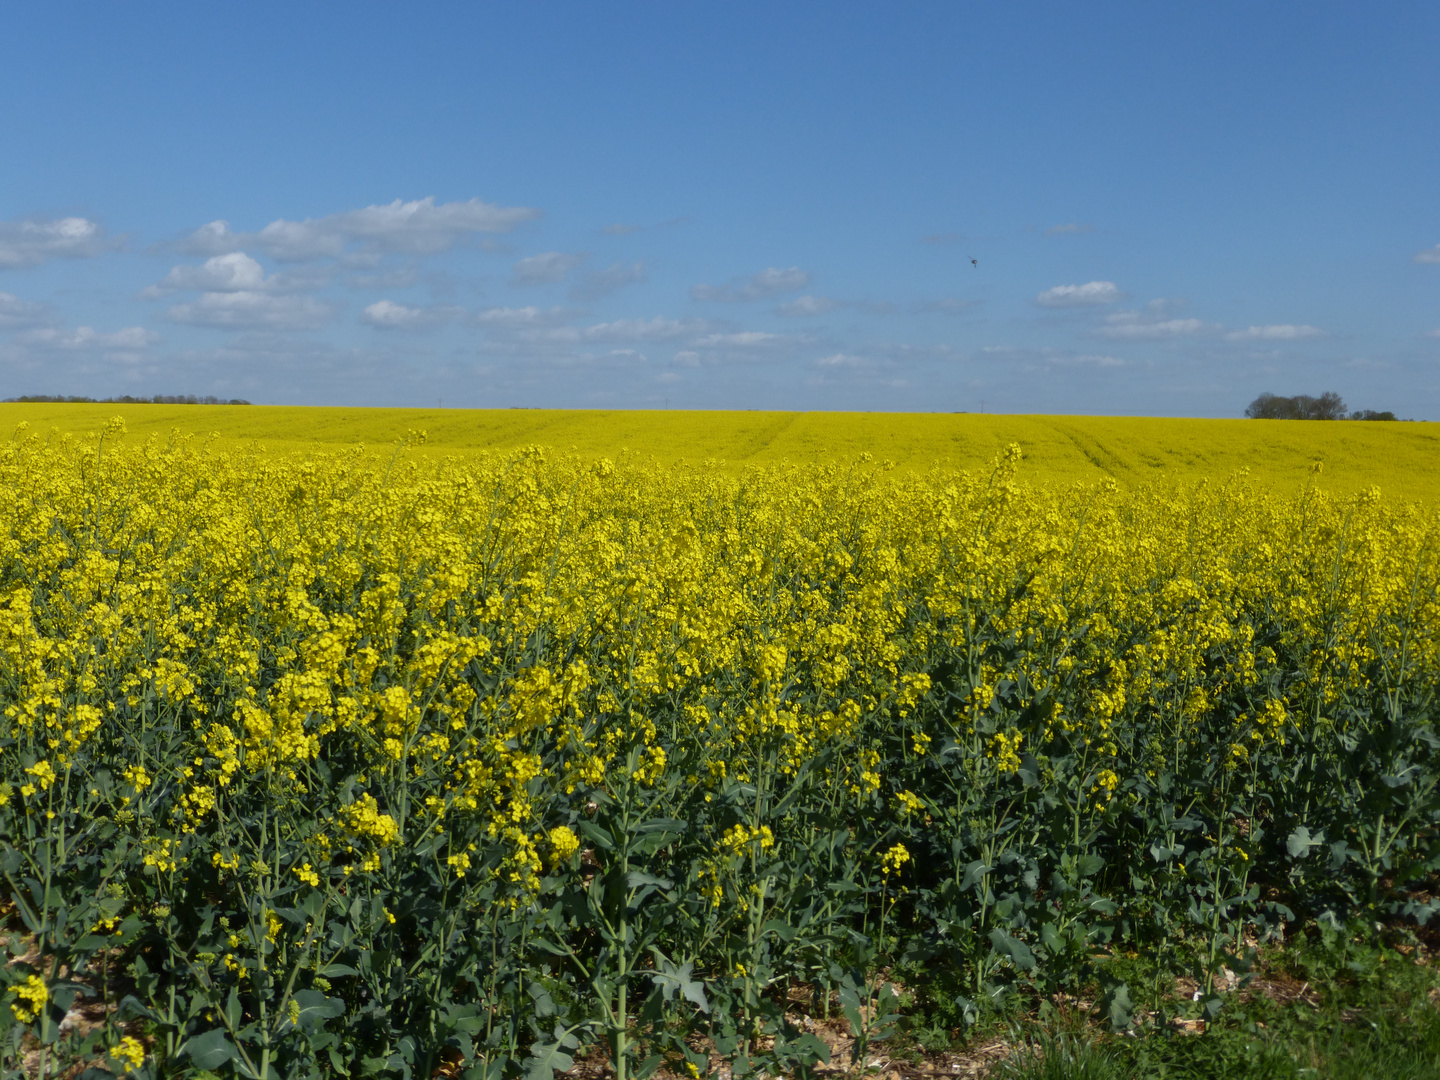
x,y
1403,459
381,761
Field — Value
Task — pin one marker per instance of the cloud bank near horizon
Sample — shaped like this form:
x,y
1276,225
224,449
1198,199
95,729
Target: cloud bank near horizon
x,y
243,310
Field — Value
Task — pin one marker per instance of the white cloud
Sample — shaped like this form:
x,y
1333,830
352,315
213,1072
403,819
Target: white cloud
x,y
767,283
842,360
656,329
1131,326
419,227
1281,332
1072,229
252,310
1092,292
400,277
238,272
807,306
535,333
388,315
545,268
604,282
302,278
745,339
87,337
508,317
842,368
803,306
16,313
627,356
686,358
362,259
212,239
1157,320
234,272
30,243
1039,360
1429,255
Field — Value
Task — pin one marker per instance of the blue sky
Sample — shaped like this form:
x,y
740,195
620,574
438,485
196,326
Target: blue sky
x,y
1170,208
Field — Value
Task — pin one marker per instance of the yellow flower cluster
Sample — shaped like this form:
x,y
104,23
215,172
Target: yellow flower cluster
x,y
1106,781
363,818
894,859
1005,751
130,1052
737,839
563,844
909,803
30,998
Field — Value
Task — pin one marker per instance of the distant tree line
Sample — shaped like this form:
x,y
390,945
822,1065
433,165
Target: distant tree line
x,y
1328,406
126,399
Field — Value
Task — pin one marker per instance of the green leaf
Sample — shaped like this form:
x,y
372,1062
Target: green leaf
x,y
374,1066
544,1004
1116,1007
464,1019
1299,843
316,1008
974,873
653,835
1339,852
850,1007
599,836
1050,938
652,1012
809,1048
672,980
26,913
780,928
210,1050
1018,952
700,1061
546,1059
670,825
493,1069
132,1008
635,879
